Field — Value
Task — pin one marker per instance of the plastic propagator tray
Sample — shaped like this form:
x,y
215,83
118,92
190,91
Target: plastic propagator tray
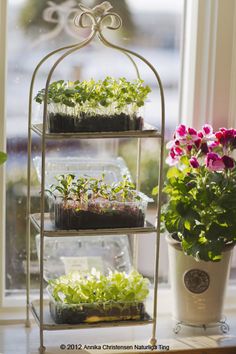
x,y
63,255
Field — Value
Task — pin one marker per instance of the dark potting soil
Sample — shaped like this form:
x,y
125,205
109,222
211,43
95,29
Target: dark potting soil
x,y
62,123
75,314
71,219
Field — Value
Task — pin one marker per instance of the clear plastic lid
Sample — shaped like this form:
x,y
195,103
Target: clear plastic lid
x,y
63,255
114,168
98,213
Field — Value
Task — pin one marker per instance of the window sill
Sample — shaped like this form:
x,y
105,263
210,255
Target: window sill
x,y
14,306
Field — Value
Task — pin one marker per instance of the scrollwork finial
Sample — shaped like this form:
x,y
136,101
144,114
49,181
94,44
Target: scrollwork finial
x,y
99,10
96,17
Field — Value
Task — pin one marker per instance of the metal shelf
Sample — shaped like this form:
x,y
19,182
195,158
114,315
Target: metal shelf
x,y
96,24
50,325
149,131
50,230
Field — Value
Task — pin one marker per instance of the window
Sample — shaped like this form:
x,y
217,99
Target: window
x,y
152,29
199,97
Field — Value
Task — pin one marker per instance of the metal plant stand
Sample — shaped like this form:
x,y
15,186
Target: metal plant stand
x,y
95,20
222,325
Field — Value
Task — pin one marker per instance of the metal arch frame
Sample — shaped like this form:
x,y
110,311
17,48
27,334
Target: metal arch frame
x,y
96,28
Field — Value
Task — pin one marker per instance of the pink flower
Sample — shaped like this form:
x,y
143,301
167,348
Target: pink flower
x,y
207,133
174,155
226,137
204,148
192,131
171,161
229,134
212,145
178,151
170,144
220,136
194,162
189,147
200,134
192,135
228,161
188,141
214,162
197,142
181,131
207,129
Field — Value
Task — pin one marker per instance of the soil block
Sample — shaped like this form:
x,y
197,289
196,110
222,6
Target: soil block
x,y
92,313
62,123
67,218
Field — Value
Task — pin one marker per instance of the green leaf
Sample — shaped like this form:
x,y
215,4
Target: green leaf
x,y
215,258
216,231
184,160
187,224
173,172
182,208
3,157
155,190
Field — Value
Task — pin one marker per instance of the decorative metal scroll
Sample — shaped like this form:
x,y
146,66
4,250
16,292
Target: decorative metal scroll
x,y
67,14
98,17
61,15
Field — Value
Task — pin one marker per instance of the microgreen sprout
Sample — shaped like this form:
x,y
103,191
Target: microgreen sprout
x,y
96,195
107,97
63,187
94,287
84,189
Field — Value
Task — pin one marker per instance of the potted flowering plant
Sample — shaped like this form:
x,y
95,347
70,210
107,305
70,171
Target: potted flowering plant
x,y
200,217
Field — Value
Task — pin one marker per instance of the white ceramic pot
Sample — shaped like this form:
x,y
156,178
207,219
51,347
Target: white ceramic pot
x,y
198,288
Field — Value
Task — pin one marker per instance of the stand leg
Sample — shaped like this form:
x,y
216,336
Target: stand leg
x,y
224,327
42,349
27,322
153,341
28,228
177,328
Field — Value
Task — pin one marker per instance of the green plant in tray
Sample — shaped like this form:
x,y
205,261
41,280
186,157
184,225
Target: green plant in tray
x,y
94,297
104,105
77,288
90,188
88,202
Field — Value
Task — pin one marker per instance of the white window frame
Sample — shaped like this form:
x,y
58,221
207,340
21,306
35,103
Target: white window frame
x,y
209,63
204,70
3,61
208,90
